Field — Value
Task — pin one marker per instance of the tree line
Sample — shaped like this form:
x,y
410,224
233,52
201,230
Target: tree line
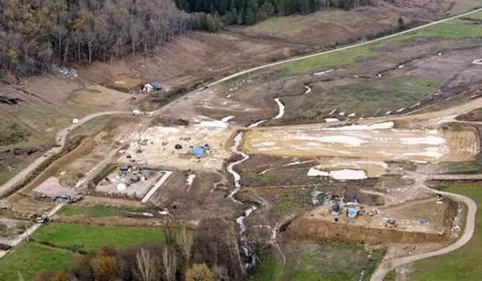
x,y
248,12
35,35
209,253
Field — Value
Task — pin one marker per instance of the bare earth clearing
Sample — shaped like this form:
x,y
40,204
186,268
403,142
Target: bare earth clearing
x,y
276,149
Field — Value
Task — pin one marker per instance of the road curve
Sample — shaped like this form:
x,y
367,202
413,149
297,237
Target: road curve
x,y
60,140
387,266
240,73
340,49
62,135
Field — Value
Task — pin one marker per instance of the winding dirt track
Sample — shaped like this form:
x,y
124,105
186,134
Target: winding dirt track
x,y
60,140
388,265
341,49
62,135
382,270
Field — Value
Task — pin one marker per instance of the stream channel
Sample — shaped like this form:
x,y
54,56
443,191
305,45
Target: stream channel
x,y
250,258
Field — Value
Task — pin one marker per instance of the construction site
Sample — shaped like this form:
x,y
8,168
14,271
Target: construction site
x,y
320,150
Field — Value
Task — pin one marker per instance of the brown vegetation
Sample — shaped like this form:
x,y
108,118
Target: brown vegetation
x,y
200,272
305,228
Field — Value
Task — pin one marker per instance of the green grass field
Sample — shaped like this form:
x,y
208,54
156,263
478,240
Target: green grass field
x,y
451,30
88,238
347,59
294,202
30,258
476,16
455,29
391,276
463,264
65,239
95,211
319,262
367,99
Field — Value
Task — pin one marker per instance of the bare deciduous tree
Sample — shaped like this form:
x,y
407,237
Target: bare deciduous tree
x,y
169,262
185,241
234,250
147,266
34,35
221,272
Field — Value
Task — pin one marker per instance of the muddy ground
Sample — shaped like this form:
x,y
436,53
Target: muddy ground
x,y
41,110
400,78
277,182
204,198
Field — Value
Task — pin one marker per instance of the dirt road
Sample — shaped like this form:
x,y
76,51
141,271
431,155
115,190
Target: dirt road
x,y
62,135
232,76
14,242
340,49
60,140
456,177
388,265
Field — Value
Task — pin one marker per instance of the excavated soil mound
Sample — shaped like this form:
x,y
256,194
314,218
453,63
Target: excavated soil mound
x,y
323,230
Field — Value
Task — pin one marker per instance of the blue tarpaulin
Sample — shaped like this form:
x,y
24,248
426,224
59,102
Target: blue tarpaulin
x,y
198,151
156,85
352,212
335,207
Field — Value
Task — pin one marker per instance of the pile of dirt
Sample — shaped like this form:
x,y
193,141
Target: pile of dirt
x,y
305,228
452,214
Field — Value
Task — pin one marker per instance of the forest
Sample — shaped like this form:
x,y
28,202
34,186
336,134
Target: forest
x,y
248,12
37,35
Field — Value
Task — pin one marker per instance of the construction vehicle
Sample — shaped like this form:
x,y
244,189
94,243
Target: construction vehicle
x,y
40,218
440,198
391,223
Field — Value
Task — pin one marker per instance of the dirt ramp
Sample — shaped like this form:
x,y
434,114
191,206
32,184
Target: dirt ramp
x,y
323,230
452,217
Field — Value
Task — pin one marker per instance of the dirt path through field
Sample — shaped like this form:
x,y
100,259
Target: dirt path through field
x,y
390,264
14,242
62,136
341,49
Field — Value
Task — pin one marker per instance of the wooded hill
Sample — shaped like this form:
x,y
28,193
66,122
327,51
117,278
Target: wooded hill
x,y
248,12
37,34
